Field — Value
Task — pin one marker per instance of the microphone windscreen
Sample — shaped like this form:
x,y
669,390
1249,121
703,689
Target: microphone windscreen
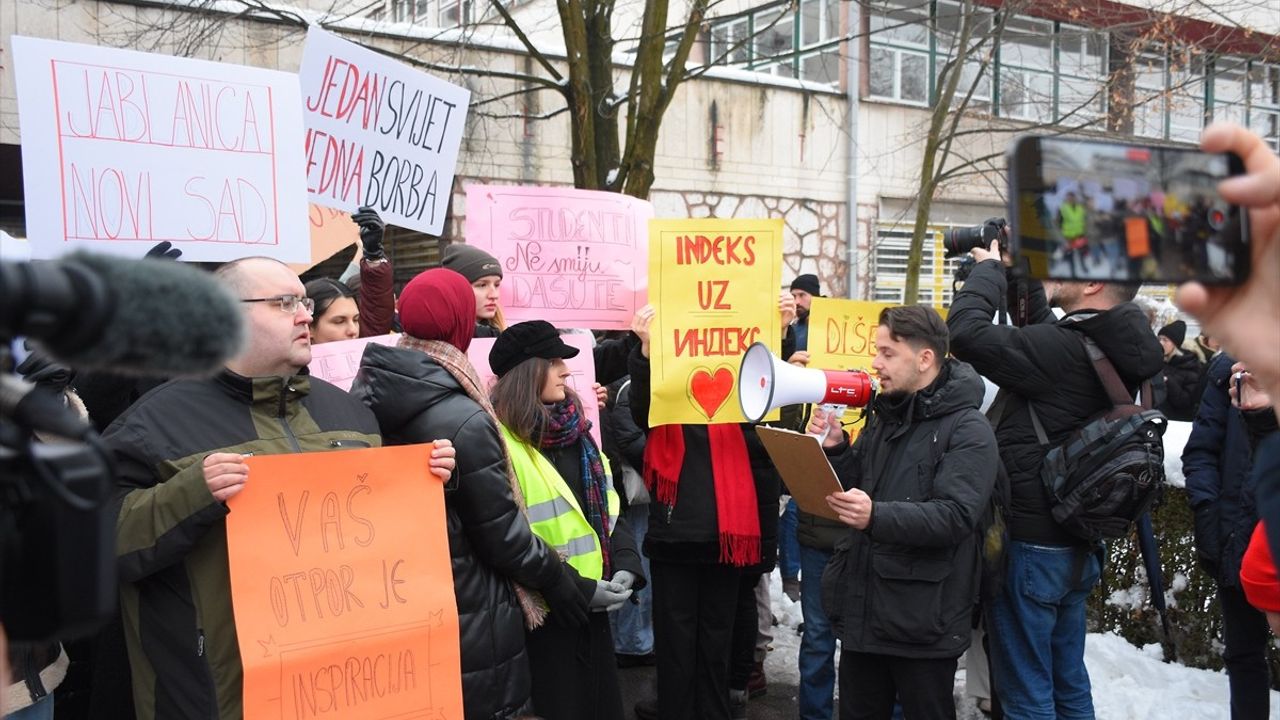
x,y
167,320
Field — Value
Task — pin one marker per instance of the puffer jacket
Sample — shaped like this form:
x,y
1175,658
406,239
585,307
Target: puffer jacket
x,y
171,538
490,543
907,585
1046,363
1182,374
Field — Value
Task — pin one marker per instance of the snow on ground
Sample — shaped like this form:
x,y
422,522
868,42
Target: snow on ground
x,y
1175,437
1129,683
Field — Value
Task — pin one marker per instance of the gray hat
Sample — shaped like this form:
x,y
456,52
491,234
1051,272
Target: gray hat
x,y
470,262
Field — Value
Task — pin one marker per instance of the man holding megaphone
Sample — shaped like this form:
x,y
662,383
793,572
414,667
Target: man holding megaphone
x,y
901,586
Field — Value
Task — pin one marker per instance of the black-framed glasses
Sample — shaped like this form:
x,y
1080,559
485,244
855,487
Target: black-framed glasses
x,y
286,303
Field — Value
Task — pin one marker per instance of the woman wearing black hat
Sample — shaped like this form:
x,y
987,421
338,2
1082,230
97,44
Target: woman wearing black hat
x,y
484,272
426,389
572,506
1181,374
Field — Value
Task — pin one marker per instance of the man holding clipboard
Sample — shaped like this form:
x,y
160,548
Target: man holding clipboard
x,y
900,588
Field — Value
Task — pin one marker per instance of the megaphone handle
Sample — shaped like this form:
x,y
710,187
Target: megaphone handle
x,y
831,412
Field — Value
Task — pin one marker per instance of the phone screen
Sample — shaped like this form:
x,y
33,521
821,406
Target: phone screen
x,y
1092,210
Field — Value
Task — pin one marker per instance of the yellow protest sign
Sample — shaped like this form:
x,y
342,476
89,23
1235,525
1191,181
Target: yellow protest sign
x,y
715,285
842,333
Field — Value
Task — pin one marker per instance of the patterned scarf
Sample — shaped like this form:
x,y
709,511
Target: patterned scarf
x,y
565,427
455,362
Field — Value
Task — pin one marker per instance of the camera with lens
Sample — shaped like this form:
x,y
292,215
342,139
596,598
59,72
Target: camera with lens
x,y
958,241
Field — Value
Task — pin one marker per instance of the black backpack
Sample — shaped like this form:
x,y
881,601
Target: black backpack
x,y
1109,472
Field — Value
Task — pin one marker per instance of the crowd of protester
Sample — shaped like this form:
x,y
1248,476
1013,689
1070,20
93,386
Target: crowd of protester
x,y
571,560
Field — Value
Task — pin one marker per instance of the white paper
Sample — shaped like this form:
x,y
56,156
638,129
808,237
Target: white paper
x,y
379,133
123,149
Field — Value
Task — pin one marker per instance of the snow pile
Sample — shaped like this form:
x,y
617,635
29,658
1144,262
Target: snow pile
x,y
1129,683
1175,438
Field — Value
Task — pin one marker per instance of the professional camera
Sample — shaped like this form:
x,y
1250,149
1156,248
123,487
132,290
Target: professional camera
x,y
958,241
57,564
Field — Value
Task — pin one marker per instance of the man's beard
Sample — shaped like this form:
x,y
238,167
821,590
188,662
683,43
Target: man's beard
x,y
801,312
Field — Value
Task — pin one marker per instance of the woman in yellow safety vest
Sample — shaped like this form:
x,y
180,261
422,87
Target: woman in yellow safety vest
x,y
572,506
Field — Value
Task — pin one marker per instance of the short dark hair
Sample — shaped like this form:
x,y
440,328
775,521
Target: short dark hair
x,y
1122,292
919,326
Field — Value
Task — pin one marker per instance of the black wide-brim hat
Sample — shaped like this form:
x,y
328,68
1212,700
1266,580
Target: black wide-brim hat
x,y
527,340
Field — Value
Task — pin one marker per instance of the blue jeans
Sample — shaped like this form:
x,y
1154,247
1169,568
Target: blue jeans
x,y
1036,630
632,624
788,545
41,709
818,643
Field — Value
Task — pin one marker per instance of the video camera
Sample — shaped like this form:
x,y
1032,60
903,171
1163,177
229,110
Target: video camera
x,y
57,559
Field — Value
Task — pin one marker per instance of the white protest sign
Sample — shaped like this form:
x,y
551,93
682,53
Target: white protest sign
x,y
379,133
123,149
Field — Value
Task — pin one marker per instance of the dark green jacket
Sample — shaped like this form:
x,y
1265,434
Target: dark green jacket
x,y
175,589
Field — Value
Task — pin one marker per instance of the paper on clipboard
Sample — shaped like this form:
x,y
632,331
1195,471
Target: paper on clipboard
x,y
804,468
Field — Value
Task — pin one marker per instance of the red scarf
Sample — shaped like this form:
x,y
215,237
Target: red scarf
x,y
737,509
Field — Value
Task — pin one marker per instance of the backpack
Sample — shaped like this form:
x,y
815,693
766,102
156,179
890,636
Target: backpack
x,y
1109,472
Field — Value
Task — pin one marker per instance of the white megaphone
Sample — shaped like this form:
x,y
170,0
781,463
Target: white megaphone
x,y
767,382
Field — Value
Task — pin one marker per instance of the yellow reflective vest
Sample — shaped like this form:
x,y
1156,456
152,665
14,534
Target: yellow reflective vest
x,y
1072,220
553,510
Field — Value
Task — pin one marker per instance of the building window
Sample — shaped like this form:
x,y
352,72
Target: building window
x,y
900,51
889,267
1186,97
801,42
1082,75
1149,82
1264,103
948,22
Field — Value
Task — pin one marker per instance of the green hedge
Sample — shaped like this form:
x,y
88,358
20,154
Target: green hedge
x,y
1194,618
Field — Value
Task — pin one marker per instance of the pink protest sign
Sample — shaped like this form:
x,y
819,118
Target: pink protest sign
x,y
583,368
338,362
576,258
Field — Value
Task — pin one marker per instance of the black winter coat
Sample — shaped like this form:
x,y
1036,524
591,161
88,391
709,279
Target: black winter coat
x,y
687,532
1045,362
1181,380
490,543
907,585
1217,464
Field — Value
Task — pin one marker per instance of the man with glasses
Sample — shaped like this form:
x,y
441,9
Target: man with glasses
x,y
180,454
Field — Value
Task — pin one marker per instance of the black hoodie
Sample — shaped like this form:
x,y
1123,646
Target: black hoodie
x,y
1045,362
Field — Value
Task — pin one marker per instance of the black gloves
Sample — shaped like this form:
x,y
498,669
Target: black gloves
x,y
40,369
164,251
371,227
568,606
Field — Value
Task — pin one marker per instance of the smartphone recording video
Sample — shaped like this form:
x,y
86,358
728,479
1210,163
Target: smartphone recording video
x,y
1115,212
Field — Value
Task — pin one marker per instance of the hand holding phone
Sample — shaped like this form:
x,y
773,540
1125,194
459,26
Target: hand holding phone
x,y
1245,391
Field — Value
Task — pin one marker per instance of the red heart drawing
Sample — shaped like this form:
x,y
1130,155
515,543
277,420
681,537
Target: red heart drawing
x,y
710,389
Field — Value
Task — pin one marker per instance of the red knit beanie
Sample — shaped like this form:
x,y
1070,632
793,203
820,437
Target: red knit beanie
x,y
1258,573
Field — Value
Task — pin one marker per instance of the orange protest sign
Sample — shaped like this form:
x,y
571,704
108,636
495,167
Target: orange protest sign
x,y
331,231
342,587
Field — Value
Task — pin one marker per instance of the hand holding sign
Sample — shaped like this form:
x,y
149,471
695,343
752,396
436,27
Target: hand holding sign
x,y
443,459
225,474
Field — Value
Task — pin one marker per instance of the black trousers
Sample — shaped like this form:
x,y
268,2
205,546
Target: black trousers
x,y
1246,636
574,674
869,684
693,621
746,627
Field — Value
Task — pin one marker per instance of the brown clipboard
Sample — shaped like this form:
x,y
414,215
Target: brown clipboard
x,y
804,468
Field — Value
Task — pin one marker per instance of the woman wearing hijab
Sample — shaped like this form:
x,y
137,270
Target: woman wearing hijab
x,y
425,389
573,507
